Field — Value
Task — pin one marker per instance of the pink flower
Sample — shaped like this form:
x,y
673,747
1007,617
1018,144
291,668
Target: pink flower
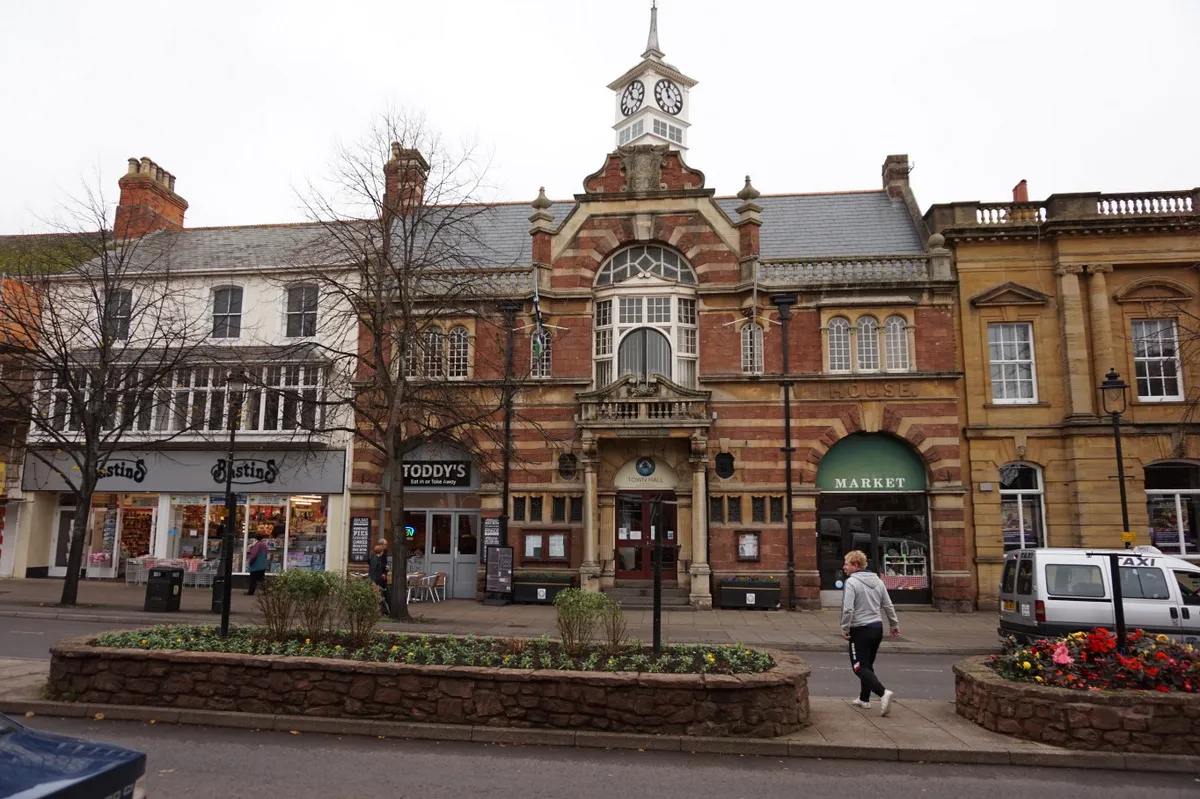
x,y
1061,656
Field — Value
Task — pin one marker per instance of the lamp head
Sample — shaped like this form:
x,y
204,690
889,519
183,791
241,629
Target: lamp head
x,y
1112,392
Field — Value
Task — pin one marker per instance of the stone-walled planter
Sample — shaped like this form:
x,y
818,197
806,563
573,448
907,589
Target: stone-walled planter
x,y
767,704
1115,721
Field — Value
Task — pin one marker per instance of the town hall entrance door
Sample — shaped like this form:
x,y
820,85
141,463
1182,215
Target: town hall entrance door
x,y
640,516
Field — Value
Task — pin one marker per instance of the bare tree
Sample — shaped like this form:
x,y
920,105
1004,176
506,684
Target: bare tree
x,y
412,284
92,329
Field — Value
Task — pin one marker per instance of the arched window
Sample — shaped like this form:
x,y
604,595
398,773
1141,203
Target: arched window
x,y
1021,508
433,354
646,259
752,349
460,353
868,344
539,354
839,344
895,339
644,352
1173,505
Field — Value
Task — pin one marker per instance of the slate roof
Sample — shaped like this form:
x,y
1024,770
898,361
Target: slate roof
x,y
830,225
794,226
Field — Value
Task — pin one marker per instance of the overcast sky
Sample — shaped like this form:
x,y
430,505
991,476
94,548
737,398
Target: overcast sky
x,y
245,101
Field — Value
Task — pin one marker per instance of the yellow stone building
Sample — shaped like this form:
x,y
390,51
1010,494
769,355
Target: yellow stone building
x,y
1052,295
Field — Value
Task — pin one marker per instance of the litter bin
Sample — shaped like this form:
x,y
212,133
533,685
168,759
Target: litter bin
x,y
163,589
218,594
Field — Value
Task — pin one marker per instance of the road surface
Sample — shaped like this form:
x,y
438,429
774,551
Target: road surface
x,y
200,763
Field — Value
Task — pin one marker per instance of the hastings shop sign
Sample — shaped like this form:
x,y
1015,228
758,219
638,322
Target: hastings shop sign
x,y
437,474
188,471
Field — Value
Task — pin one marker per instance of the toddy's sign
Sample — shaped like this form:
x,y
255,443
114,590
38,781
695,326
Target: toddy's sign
x,y
437,474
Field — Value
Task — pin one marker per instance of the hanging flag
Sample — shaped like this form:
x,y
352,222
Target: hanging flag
x,y
539,333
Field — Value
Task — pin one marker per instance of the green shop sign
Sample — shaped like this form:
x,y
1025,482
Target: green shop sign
x,y
869,462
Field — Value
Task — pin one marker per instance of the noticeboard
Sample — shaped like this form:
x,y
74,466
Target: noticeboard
x,y
499,570
360,539
491,536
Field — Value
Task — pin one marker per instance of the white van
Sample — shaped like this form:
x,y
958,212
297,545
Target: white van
x,y
1047,593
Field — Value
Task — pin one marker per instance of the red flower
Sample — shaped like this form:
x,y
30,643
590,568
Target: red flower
x,y
1160,655
1164,689
1151,671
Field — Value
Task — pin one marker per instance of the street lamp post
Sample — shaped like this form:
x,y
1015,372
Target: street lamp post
x,y
1113,393
235,387
509,310
784,303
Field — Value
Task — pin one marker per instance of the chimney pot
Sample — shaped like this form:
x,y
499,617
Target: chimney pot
x,y
133,167
1021,192
147,166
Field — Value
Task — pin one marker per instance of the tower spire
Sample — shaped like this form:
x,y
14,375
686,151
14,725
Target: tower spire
x,y
652,50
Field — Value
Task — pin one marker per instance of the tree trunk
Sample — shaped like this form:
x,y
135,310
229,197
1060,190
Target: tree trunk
x,y
79,528
399,545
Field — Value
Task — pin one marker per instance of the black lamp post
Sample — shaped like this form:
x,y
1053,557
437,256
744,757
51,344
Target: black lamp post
x,y
235,387
1113,393
784,303
509,310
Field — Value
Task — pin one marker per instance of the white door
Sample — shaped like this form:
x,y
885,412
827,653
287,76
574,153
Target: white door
x,y
1149,604
62,542
1189,605
440,548
466,556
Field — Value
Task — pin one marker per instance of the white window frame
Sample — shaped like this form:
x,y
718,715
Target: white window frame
x,y
114,318
1032,363
458,353
1161,325
895,340
752,349
288,314
837,332
1020,494
241,312
866,344
540,364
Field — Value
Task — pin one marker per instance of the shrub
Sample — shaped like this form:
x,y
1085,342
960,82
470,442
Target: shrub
x,y
358,603
612,622
315,594
277,606
578,612
1090,661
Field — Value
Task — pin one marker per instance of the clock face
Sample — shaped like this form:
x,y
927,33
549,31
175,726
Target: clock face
x,y
631,98
669,98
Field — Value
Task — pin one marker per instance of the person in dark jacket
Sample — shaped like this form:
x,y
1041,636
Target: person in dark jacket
x,y
256,563
377,568
865,600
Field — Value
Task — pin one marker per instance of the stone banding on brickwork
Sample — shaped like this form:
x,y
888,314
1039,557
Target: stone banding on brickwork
x,y
1111,721
764,705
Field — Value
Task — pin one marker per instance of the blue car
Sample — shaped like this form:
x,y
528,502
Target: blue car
x,y
37,764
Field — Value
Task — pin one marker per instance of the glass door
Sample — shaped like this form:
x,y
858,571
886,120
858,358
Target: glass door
x,y
640,517
466,557
62,542
440,554
839,534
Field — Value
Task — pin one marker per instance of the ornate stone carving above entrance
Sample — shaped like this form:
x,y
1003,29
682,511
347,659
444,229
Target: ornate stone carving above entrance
x,y
643,165
649,407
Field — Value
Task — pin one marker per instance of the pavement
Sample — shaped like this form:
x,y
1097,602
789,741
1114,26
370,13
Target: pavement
x,y
918,730
202,763
925,631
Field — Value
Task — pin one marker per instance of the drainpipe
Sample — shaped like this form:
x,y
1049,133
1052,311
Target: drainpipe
x,y
784,302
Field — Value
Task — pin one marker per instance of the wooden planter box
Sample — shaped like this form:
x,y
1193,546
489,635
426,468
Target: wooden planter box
x,y
539,590
761,595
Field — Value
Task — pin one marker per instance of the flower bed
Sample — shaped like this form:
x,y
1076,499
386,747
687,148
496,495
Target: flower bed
x,y
1090,662
449,650
767,697
1079,692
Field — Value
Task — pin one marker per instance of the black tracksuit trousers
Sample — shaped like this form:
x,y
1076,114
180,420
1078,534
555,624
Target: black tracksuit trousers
x,y
864,645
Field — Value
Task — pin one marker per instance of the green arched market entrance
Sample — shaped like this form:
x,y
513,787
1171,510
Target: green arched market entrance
x,y
873,499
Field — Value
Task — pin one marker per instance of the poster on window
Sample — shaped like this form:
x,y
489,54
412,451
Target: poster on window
x,y
558,546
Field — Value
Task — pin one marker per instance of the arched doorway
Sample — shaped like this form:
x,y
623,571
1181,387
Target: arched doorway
x,y
873,499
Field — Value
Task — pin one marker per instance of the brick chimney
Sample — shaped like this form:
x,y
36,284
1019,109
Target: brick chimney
x,y
148,201
1021,192
404,180
895,175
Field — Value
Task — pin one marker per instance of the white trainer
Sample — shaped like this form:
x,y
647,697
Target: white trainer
x,y
885,704
859,703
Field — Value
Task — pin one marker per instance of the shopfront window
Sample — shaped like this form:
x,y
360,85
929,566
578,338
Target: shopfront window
x,y
1021,510
1173,507
216,518
268,518
187,536
307,532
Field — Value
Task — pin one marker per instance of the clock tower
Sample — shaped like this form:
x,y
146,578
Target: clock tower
x,y
652,99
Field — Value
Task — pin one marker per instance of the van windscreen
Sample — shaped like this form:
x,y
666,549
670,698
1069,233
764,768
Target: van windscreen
x,y
1009,580
1075,580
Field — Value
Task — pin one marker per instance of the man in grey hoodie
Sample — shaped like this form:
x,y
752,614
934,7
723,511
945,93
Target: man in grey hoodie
x,y
864,596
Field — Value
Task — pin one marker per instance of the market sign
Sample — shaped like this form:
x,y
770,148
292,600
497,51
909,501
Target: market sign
x,y
437,474
871,463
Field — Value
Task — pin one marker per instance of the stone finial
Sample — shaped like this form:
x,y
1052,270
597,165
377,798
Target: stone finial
x,y
542,202
748,192
652,48
937,241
